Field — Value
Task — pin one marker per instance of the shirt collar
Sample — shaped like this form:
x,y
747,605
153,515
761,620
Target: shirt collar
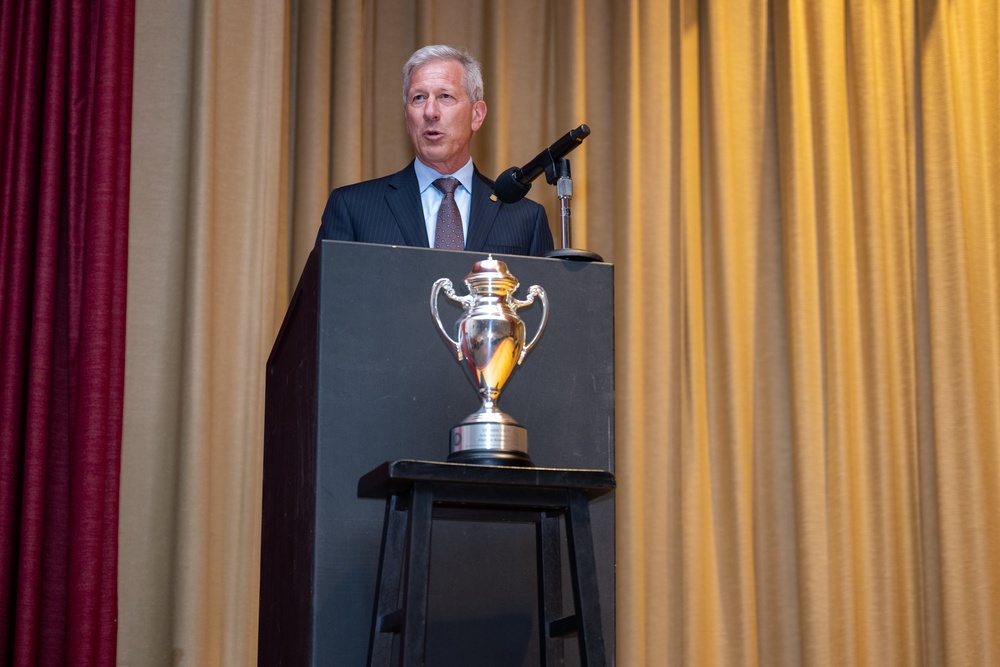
x,y
426,176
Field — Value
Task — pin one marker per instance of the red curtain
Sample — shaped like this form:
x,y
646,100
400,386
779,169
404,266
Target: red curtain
x,y
66,86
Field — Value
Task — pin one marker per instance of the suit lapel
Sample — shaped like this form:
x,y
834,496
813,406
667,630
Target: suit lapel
x,y
403,199
483,215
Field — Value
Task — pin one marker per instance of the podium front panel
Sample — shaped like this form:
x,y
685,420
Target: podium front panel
x,y
360,375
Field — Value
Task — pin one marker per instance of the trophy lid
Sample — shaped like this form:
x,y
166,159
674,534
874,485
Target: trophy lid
x,y
491,273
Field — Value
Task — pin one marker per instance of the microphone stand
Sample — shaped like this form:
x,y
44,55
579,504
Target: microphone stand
x,y
558,173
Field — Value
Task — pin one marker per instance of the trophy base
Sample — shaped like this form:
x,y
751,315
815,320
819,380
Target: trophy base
x,y
490,438
488,457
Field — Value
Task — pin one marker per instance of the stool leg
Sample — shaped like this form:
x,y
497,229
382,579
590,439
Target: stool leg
x,y
416,573
583,570
549,587
390,564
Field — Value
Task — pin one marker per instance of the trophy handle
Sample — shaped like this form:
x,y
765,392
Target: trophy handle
x,y
534,291
449,290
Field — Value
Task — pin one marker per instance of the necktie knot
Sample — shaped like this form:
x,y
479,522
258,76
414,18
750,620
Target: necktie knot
x,y
446,185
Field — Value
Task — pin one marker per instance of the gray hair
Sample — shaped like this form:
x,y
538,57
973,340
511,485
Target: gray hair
x,y
473,70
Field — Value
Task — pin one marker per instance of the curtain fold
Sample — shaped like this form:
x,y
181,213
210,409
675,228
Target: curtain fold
x,y
65,135
960,167
800,202
233,228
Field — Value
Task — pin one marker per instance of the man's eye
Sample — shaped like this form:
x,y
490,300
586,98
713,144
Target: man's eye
x,y
418,99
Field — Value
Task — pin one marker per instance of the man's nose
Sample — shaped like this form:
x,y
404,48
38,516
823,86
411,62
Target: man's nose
x,y
431,111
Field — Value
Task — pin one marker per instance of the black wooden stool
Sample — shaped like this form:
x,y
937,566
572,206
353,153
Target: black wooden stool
x,y
417,492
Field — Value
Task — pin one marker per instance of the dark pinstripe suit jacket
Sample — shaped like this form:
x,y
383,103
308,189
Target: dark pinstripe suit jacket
x,y
387,210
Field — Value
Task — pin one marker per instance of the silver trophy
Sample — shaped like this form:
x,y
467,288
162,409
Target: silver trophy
x,y
490,345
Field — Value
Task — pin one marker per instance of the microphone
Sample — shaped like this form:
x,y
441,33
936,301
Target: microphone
x,y
513,184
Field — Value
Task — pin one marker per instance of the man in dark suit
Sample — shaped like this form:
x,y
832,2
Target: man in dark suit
x,y
439,200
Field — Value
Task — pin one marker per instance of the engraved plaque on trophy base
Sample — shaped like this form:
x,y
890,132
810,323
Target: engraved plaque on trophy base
x,y
493,438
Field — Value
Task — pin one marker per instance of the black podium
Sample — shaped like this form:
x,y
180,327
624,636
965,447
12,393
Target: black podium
x,y
358,375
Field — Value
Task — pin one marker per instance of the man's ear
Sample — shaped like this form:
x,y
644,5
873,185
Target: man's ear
x,y
478,115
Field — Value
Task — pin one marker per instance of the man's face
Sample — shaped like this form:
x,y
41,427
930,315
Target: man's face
x,y
440,118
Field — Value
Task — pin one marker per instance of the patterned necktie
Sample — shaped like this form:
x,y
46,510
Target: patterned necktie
x,y
448,233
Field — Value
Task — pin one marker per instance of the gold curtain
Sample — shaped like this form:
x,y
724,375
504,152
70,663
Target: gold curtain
x,y
800,199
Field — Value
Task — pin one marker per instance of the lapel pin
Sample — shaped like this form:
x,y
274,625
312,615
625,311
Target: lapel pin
x,y
493,197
